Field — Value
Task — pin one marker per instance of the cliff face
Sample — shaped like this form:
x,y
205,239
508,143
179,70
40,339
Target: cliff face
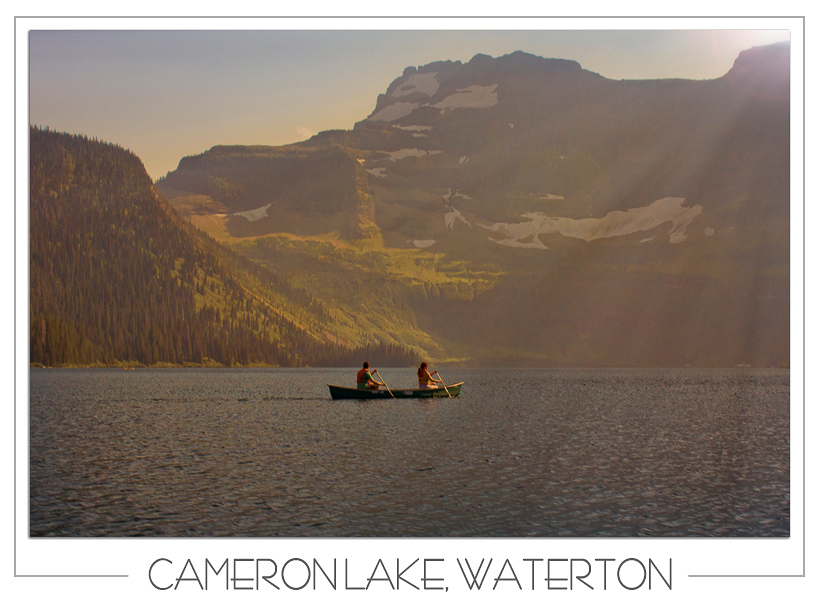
x,y
554,216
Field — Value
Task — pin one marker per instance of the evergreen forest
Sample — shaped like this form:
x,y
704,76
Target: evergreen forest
x,y
117,278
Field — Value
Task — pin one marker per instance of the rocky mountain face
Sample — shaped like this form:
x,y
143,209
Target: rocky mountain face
x,y
524,211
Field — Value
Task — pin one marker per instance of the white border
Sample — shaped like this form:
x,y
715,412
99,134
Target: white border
x,y
768,559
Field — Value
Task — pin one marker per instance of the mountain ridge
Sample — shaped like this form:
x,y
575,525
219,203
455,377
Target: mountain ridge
x,y
463,173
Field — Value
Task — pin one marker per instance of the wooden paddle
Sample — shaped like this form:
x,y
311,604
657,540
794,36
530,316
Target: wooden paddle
x,y
385,385
444,384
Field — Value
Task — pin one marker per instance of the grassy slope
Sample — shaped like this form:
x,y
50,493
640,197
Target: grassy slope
x,y
369,289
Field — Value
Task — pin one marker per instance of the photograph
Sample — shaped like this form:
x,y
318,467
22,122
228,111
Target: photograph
x,y
348,284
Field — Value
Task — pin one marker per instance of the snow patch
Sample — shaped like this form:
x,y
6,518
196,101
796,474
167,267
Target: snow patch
x,y
377,171
614,224
454,195
463,160
708,231
254,215
409,152
474,96
451,217
551,197
421,243
415,127
514,243
394,111
418,83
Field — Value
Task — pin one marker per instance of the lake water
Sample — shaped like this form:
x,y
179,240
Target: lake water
x,y
266,452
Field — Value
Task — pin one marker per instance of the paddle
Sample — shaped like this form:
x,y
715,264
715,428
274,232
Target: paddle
x,y
445,386
385,385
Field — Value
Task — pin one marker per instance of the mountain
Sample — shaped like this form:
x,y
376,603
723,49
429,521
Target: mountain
x,y
117,277
524,211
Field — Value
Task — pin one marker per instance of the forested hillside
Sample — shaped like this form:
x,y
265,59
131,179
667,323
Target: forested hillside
x,y
118,278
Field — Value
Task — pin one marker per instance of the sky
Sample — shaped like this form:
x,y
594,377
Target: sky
x,y
167,94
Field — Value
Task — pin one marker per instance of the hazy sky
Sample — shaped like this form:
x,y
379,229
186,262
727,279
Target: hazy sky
x,y
169,94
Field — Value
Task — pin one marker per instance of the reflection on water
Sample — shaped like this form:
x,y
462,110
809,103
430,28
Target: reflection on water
x,y
266,452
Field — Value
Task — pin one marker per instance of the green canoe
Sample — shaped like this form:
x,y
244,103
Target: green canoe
x,y
340,392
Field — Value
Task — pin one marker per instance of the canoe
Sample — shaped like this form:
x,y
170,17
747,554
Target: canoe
x,y
340,392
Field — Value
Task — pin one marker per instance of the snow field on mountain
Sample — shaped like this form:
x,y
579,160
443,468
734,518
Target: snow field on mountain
x,y
614,224
474,96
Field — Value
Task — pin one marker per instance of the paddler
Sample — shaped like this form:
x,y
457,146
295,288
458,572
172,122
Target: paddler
x,y
426,377
364,379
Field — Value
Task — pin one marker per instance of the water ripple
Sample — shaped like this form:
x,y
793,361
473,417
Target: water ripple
x,y
526,453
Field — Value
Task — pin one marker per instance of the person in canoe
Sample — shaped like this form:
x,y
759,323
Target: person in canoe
x,y
364,378
426,377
